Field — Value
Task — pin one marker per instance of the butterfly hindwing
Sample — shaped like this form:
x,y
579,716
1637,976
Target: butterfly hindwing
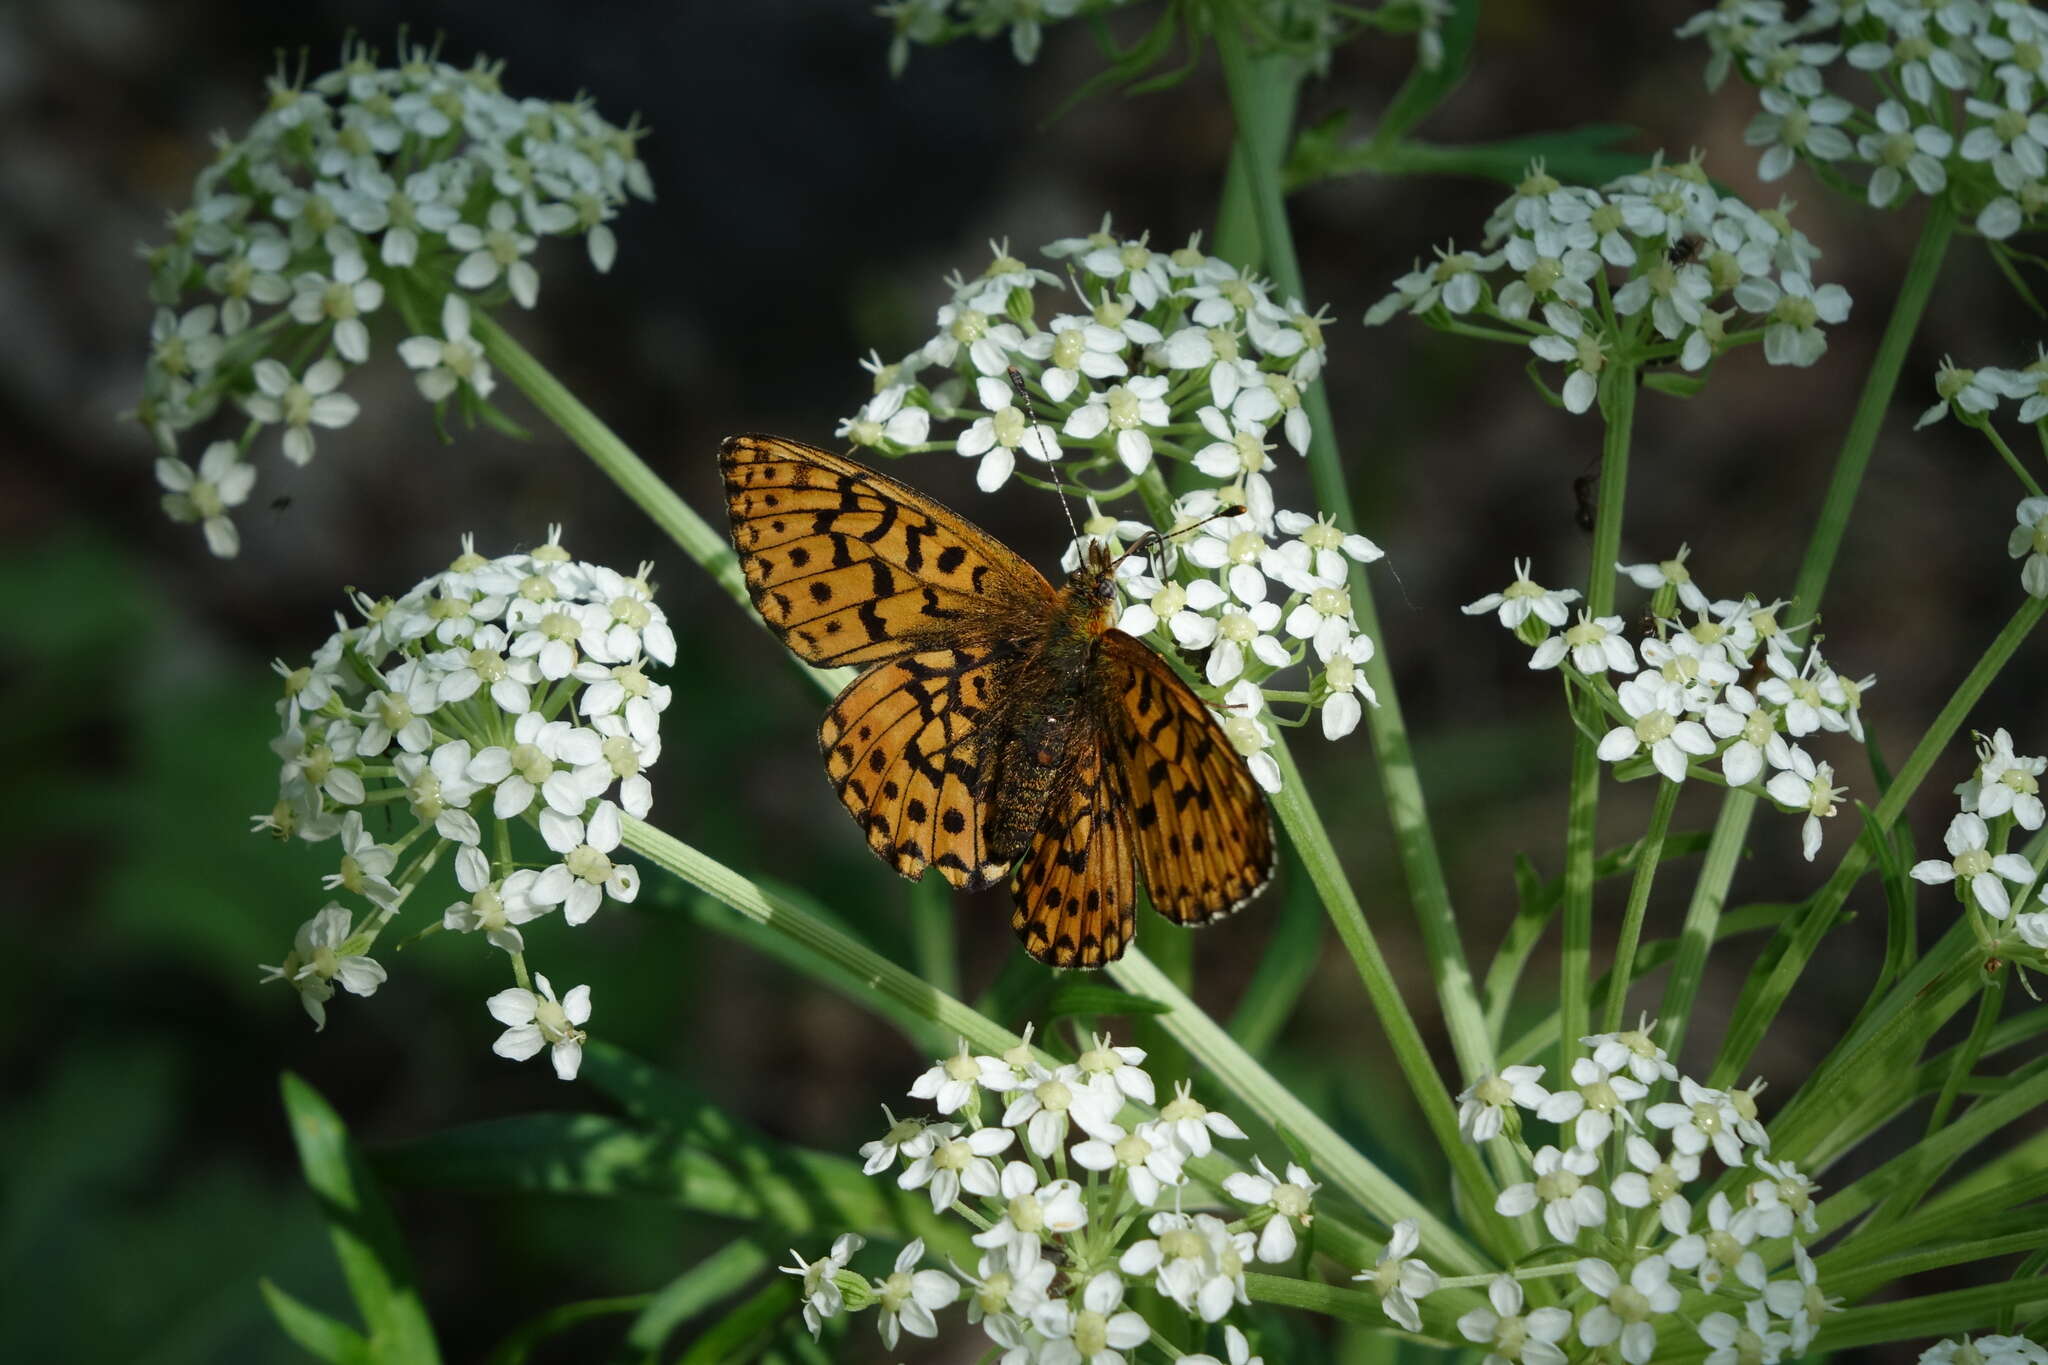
x,y
907,751
1076,888
849,566
1203,835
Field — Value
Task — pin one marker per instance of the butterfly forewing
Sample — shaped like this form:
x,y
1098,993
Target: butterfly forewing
x,y
1076,888
1202,831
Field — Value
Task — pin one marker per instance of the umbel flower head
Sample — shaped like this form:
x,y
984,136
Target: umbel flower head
x,y
371,199
498,692
1139,362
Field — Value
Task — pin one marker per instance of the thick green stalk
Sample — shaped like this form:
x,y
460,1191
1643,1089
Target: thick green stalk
x,y
1262,94
1618,410
1703,916
1761,1000
1648,852
1988,1005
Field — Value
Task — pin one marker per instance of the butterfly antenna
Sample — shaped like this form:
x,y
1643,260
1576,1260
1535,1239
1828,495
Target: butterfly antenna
x,y
1031,433
1151,538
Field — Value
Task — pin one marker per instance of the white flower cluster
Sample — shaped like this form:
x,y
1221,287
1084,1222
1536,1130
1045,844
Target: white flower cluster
x,y
1175,356
1059,1253
1991,56
1973,396
1629,274
2003,794
1626,1184
1686,694
366,190
1992,1350
500,690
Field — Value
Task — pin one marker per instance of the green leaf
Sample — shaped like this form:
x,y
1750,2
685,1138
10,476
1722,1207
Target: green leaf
x,y
1672,383
365,1235
1901,935
312,1329
1428,87
715,1277
754,1319
1931,1315
1076,997
1292,954
520,1341
1576,156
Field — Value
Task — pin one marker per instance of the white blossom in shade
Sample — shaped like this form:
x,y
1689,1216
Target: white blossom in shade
x,y
1044,1106
1807,785
1699,1118
1193,1125
886,420
988,340
1975,392
587,869
1523,599
1917,59
1809,694
1902,152
1595,646
1324,619
2032,927
1546,278
1195,1260
1569,1200
1455,281
1800,1302
1741,1341
1793,310
1986,1350
300,404
906,1139
1972,863
908,1297
342,298
954,1162
186,346
1073,348
1657,713
537,1020
499,248
1783,1199
1124,411
1400,1278
320,957
2006,783
1288,1199
1586,352
1723,1249
1657,1182
1003,1287
1790,126
1247,734
821,1293
1510,1335
365,865
1754,729
1031,1211
1699,671
998,438
450,361
1634,1051
1671,573
1596,1099
2030,384
1147,1157
958,1080
222,482
1095,1333
1484,1105
2028,540
399,712
1343,673
497,908
250,275
1188,610
1627,1307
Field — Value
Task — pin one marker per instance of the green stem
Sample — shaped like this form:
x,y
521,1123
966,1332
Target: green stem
x,y
1648,853
1988,1004
1761,1000
1703,916
1618,408
1262,95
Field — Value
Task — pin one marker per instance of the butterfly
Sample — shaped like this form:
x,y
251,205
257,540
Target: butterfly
x,y
1000,727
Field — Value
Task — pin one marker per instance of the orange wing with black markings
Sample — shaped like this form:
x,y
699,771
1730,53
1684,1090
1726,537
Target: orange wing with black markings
x,y
905,750
1204,838
849,566
1076,888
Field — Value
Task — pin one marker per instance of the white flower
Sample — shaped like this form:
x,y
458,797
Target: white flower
x,y
2005,783
1030,1211
1901,151
318,960
365,865
1511,1336
987,340
1699,1117
1973,864
451,360
186,346
1400,1278
1247,734
1972,391
1245,626
953,1163
1748,1340
1344,675
958,1080
1801,1304
1288,1199
1723,1248
822,1296
1809,786
1784,1200
586,873
342,299
300,404
1484,1105
1991,1350
1789,126
1194,1125
1147,1157
1234,1345
2029,539
533,1021
1455,281
1657,1182
1095,1333
908,1297
908,1138
1628,1307
1633,1050
1792,309
1003,1286
1076,347
499,248
1571,344
1187,610
1755,732
1125,410
1569,1200
996,439
1048,1101
495,907
1323,618
223,481
1195,1260
1595,646
1596,1100
887,419
1657,710
1524,598
559,762
1671,573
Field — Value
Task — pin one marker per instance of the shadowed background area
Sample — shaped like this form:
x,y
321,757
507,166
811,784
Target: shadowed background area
x,y
808,208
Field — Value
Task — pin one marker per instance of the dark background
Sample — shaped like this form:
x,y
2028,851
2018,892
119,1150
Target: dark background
x,y
808,207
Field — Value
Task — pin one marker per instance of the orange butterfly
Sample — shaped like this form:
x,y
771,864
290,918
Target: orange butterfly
x,y
1000,723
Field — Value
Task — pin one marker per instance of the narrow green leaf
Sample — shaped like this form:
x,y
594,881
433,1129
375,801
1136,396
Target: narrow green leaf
x,y
1674,384
729,1339
520,1341
1576,156
365,1235
1901,935
312,1329
1076,997
1931,1315
718,1275
1428,87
